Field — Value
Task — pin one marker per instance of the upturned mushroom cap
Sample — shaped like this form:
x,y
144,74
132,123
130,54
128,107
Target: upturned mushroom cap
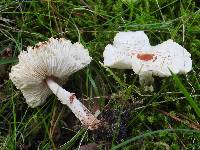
x,y
125,45
132,50
56,59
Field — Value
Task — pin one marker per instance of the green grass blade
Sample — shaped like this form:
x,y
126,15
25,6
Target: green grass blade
x,y
121,83
8,61
70,143
150,134
191,101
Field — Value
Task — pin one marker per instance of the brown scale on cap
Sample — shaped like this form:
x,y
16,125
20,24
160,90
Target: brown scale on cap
x,y
37,46
146,57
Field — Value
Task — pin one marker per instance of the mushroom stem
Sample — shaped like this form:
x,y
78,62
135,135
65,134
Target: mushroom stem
x,y
69,99
147,80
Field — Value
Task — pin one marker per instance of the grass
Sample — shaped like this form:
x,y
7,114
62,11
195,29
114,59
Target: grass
x,y
167,118
192,102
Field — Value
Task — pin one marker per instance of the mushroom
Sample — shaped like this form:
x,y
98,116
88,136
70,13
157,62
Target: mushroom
x,y
46,65
132,50
124,45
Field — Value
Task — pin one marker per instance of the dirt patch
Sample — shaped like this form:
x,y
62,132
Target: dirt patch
x,y
115,127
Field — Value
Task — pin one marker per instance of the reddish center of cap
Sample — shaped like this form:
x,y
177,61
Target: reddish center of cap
x,y
145,57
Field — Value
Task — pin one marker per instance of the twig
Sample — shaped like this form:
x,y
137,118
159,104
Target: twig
x,y
191,125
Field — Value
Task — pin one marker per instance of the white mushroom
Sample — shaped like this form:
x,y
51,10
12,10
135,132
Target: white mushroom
x,y
132,50
40,68
125,44
161,59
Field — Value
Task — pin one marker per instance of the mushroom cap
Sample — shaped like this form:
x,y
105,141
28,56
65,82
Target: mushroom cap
x,y
56,59
132,50
125,44
161,59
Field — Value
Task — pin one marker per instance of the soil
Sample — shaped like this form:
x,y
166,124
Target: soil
x,y
115,126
